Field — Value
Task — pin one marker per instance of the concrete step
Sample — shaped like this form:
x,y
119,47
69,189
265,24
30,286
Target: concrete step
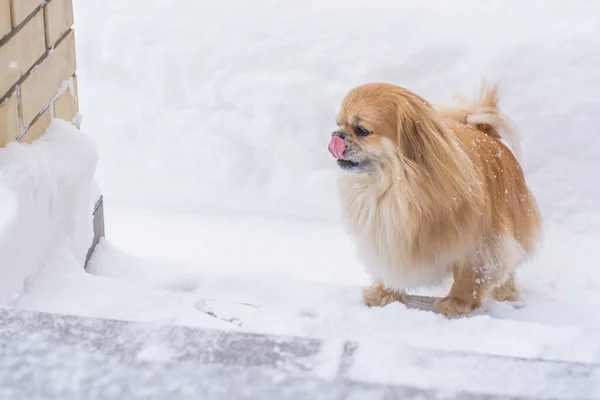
x,y
50,356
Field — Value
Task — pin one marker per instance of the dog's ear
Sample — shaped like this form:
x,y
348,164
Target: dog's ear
x,y
410,138
416,128
421,137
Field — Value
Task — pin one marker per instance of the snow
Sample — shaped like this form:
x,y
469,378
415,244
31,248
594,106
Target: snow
x,y
455,372
302,279
234,103
211,122
8,208
45,203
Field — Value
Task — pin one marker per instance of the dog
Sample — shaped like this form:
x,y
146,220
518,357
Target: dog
x,y
429,192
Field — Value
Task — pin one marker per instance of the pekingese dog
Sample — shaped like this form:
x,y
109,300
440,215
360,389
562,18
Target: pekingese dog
x,y
431,191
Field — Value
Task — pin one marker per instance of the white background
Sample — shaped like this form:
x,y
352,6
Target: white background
x,y
222,106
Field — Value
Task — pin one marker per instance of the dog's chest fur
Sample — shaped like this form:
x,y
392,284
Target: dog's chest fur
x,y
384,231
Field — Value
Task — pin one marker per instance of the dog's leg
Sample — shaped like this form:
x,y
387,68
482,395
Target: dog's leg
x,y
469,289
378,296
507,291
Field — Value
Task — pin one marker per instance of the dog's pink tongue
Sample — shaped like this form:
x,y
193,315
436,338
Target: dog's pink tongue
x,y
337,147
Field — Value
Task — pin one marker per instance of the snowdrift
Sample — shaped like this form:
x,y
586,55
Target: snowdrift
x,y
46,204
229,107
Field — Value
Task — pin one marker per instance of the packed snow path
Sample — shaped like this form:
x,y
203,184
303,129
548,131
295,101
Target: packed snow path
x,y
286,277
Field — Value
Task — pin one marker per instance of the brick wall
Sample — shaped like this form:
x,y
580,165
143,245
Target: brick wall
x,y
37,67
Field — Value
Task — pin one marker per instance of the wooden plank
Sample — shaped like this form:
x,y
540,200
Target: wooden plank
x,y
98,228
425,303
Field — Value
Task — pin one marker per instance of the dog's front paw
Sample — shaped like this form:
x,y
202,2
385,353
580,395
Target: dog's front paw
x,y
378,296
452,307
506,292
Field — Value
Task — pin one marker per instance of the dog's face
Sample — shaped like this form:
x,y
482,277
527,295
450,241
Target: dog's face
x,y
376,122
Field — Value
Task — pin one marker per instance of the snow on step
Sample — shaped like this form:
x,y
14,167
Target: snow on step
x,y
117,359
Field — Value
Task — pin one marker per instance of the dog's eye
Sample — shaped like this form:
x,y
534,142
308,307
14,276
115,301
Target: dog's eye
x,y
361,131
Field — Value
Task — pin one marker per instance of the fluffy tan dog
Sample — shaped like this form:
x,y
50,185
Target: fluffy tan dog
x,y
431,191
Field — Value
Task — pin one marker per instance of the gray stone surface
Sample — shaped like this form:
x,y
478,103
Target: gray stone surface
x,y
47,356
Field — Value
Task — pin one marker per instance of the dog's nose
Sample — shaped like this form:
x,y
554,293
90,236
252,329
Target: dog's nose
x,y
340,134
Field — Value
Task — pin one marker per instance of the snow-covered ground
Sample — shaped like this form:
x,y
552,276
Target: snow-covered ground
x,y
301,278
212,120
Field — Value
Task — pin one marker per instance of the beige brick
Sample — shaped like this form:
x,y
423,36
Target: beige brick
x,y
22,8
38,128
44,82
66,107
21,52
4,17
58,15
9,121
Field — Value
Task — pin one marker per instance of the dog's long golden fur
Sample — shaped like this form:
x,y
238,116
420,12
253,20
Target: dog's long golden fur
x,y
431,191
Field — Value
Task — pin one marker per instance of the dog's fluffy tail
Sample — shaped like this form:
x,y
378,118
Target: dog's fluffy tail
x,y
484,115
